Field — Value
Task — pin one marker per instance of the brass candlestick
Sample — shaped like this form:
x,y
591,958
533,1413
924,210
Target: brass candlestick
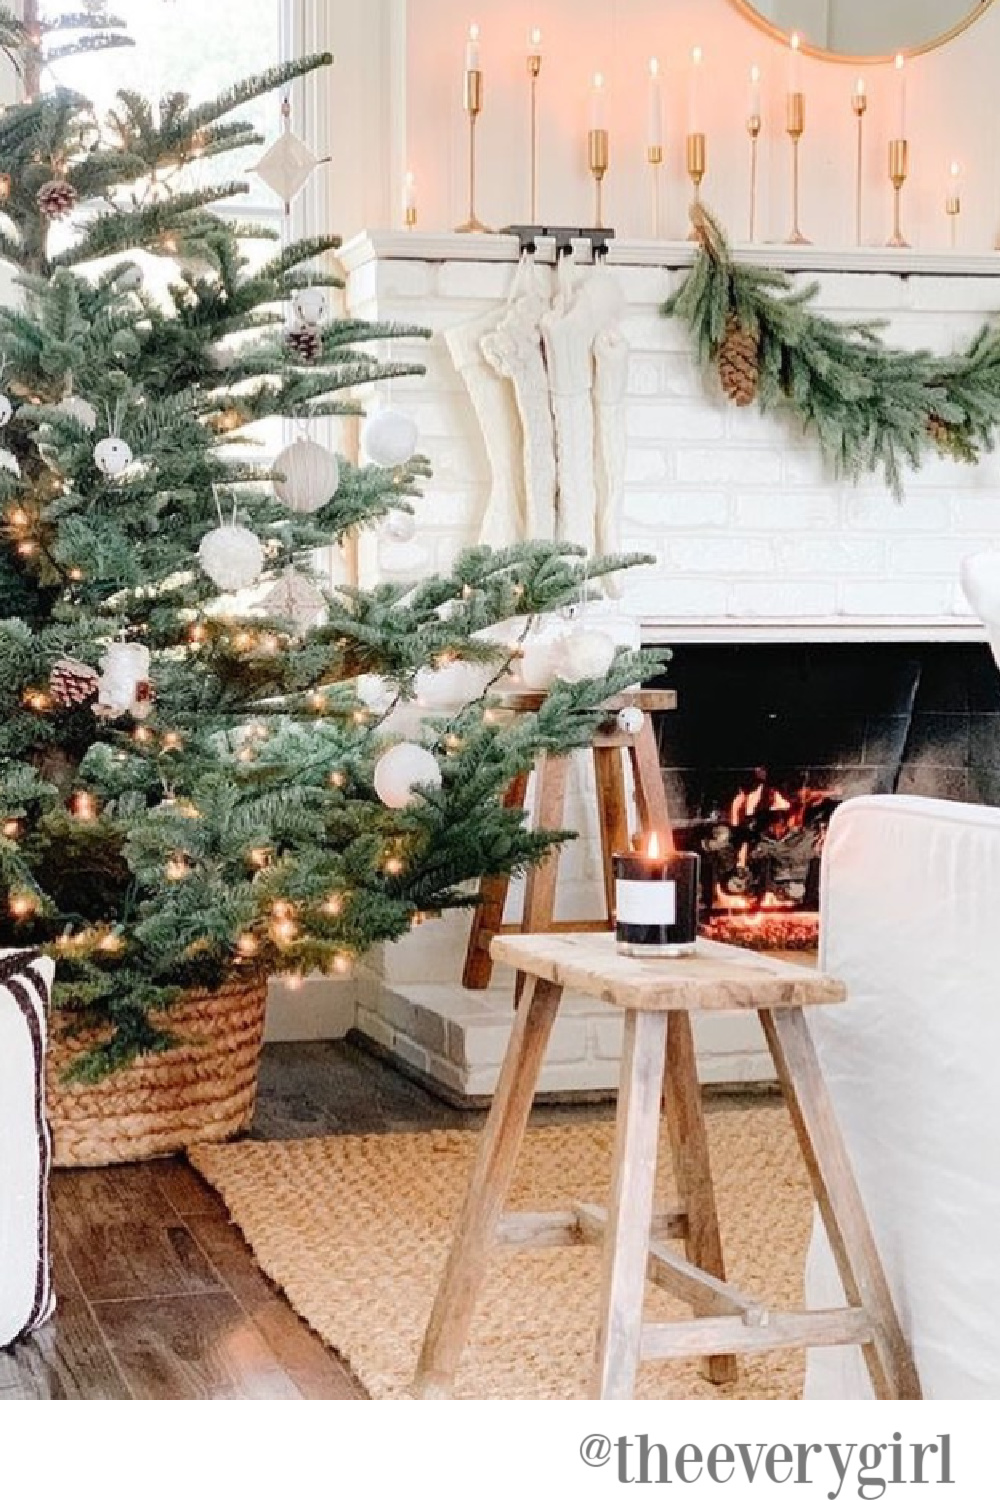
x,y
795,124
899,164
697,161
410,217
534,68
953,207
654,155
753,131
859,104
473,108
597,153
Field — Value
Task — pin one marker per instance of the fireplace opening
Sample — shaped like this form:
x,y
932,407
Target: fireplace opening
x,y
768,740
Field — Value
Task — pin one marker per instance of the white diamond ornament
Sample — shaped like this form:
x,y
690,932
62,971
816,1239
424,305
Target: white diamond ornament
x,y
401,770
306,476
79,410
287,166
584,654
390,438
309,305
296,600
232,556
112,455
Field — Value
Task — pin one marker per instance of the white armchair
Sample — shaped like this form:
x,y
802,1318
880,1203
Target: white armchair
x,y
911,923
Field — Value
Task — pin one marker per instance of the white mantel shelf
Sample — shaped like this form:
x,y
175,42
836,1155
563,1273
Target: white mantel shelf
x,y
667,632
382,245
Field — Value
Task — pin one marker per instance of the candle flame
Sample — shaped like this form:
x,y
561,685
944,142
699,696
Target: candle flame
x,y
859,87
956,169
410,180
473,32
598,80
755,74
653,848
696,55
654,67
900,62
795,41
536,36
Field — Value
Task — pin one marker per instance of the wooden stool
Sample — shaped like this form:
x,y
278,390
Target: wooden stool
x,y
658,997
610,747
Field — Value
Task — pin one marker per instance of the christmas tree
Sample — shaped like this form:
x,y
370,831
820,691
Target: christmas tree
x,y
189,790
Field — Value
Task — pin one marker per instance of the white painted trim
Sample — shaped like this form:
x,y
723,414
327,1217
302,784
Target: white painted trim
x,y
380,245
667,632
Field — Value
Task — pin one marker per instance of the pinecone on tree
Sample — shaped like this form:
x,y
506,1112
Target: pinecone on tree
x,y
57,198
939,431
304,342
739,367
72,683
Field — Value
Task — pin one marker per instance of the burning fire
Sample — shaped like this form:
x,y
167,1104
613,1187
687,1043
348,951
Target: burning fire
x,y
653,848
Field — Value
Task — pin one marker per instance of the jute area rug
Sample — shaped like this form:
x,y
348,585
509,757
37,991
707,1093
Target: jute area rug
x,y
355,1229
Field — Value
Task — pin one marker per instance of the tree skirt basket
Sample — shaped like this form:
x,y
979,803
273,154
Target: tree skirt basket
x,y
203,1089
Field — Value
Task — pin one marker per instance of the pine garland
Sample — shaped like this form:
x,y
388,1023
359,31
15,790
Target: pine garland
x,y
872,407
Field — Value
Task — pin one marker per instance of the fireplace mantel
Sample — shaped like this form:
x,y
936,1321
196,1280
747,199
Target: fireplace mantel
x,y
439,246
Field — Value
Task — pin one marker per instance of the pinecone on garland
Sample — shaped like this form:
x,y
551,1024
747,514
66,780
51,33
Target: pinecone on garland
x,y
57,198
72,683
304,342
739,362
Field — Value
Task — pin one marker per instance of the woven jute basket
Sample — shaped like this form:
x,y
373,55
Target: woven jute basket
x,y
203,1089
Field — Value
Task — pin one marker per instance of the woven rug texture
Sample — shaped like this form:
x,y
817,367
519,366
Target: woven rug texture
x,y
355,1230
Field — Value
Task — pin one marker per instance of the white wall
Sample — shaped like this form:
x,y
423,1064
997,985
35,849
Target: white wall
x,y
954,108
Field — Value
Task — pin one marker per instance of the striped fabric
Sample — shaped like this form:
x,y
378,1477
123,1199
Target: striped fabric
x,y
26,1296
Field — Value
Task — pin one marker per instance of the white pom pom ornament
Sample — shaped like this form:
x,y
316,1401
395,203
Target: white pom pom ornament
x,y
112,456
390,438
232,556
583,654
452,686
401,770
309,306
306,476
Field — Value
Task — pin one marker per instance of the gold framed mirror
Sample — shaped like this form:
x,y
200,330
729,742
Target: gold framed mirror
x,y
862,31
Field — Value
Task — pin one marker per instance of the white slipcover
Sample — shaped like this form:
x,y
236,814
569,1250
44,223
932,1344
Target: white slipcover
x,y
911,923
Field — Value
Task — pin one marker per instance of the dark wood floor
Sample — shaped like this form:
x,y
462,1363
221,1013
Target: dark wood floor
x,y
159,1296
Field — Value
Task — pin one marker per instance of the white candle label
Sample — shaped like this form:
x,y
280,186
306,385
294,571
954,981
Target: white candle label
x,y
646,903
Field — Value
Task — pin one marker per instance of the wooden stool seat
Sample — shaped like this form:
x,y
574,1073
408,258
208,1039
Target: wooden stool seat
x,y
658,1071
611,747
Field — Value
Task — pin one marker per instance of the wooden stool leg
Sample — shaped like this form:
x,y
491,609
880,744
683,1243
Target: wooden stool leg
x,y
630,1211
609,774
451,1315
692,1167
540,886
890,1365
488,918
650,792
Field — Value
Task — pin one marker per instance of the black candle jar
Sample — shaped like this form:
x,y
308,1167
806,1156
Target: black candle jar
x,y
656,904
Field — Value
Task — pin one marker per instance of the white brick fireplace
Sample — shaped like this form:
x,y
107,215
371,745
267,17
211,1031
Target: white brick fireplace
x,y
753,541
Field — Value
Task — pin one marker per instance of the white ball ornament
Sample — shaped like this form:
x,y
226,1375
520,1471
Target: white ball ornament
x,y
374,692
390,438
452,686
306,476
81,411
585,653
400,526
232,556
401,770
309,305
9,462
112,456
6,409
538,663
630,719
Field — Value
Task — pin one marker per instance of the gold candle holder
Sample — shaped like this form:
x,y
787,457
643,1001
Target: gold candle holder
x,y
473,108
859,104
534,68
598,158
753,131
654,156
697,162
410,217
899,165
795,124
953,207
